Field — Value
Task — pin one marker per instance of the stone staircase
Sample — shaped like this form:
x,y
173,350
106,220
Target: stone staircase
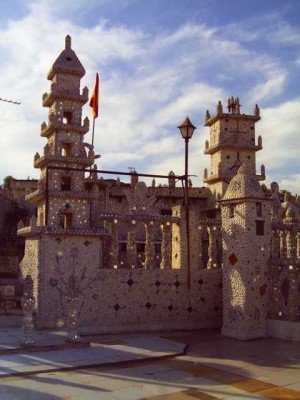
x,y
10,292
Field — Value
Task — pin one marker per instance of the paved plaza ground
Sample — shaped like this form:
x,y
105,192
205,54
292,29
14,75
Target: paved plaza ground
x,y
155,366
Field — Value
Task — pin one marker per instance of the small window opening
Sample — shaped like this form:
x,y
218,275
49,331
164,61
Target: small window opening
x,y
66,149
67,117
65,183
211,214
260,228
165,212
122,246
258,209
65,220
140,247
231,211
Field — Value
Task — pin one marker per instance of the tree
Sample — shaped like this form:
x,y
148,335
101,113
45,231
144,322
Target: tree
x,y
6,181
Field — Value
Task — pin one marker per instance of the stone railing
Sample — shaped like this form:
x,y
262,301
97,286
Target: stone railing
x,y
125,253
150,242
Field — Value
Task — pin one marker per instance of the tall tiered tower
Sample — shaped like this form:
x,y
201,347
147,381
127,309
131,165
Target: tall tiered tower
x,y
62,246
232,143
65,149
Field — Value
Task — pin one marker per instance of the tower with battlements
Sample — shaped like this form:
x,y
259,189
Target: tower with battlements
x,y
232,143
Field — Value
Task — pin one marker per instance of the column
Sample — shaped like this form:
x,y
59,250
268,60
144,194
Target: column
x,y
114,245
293,296
275,249
149,248
283,244
131,244
212,247
199,249
195,239
298,245
166,246
179,241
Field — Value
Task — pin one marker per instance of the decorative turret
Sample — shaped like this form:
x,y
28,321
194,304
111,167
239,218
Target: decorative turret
x,y
246,234
232,143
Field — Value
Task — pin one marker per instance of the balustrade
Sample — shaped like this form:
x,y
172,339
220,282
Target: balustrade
x,y
172,242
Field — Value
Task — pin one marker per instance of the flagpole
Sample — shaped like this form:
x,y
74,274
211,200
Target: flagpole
x,y
93,131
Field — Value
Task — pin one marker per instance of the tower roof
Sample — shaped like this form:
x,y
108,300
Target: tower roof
x,y
244,185
67,62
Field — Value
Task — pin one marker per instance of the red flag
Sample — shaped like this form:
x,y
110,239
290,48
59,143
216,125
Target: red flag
x,y
95,98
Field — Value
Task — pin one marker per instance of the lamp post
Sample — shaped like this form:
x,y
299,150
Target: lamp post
x,y
187,130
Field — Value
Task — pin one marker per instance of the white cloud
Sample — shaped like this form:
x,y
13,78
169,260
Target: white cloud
x,y
273,85
279,129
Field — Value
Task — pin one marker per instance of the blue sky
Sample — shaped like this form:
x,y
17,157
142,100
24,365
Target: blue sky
x,y
158,62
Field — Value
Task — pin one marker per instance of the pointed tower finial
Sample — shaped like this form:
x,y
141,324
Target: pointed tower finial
x,y
219,108
68,42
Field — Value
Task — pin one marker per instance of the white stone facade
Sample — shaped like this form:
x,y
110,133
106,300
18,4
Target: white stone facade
x,y
123,247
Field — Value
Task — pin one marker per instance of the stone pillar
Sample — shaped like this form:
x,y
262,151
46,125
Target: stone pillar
x,y
283,244
179,242
131,244
275,250
292,244
114,245
298,245
166,246
195,239
149,248
212,247
293,296
199,243
275,295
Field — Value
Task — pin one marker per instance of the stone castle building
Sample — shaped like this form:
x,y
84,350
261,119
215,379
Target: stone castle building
x,y
122,247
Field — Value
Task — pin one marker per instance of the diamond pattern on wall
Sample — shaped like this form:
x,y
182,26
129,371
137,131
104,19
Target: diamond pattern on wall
x,y
232,259
190,309
130,282
157,283
170,308
177,284
116,307
148,305
263,289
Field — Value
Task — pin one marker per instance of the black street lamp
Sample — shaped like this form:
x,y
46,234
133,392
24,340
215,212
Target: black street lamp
x,y
187,130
